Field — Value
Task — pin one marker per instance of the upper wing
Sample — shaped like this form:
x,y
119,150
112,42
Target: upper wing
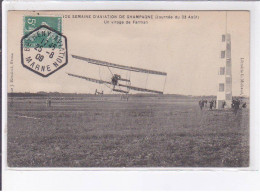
x,y
141,89
89,79
107,64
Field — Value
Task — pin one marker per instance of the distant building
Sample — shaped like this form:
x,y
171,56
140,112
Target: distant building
x,y
224,94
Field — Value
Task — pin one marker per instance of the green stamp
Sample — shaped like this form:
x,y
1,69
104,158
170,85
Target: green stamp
x,y
43,46
32,22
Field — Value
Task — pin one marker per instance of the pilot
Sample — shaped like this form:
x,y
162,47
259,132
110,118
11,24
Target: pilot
x,y
115,79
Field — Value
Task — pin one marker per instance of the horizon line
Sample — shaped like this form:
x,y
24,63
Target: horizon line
x,y
119,94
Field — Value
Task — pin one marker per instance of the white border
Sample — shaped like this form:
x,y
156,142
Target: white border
x,y
136,178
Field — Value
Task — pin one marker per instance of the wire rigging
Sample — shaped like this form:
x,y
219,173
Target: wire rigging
x,y
146,80
164,83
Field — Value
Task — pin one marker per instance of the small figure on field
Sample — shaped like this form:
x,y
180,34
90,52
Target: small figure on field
x,y
211,103
214,103
235,105
201,104
48,102
205,103
223,104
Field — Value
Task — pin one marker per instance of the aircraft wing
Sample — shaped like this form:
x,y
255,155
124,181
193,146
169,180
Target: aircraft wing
x,y
122,85
129,68
140,89
89,79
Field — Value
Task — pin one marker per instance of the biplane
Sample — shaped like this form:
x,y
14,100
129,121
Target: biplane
x,y
117,82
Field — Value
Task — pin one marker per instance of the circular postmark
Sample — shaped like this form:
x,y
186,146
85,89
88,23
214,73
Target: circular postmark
x,y
44,51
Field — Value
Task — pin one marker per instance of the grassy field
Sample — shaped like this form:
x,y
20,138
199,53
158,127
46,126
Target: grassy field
x,y
143,132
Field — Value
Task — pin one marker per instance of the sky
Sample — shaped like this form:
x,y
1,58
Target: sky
x,y
187,49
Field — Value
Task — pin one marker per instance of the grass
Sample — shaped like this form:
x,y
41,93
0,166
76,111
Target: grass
x,y
137,133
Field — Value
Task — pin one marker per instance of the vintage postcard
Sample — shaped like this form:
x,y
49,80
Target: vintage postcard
x,y
128,89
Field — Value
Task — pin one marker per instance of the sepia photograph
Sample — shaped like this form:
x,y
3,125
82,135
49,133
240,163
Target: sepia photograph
x,y
134,89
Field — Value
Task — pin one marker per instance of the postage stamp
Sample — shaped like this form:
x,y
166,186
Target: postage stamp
x,y
153,89
32,22
43,47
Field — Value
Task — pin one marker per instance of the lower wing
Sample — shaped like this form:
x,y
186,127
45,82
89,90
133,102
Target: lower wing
x,y
89,79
